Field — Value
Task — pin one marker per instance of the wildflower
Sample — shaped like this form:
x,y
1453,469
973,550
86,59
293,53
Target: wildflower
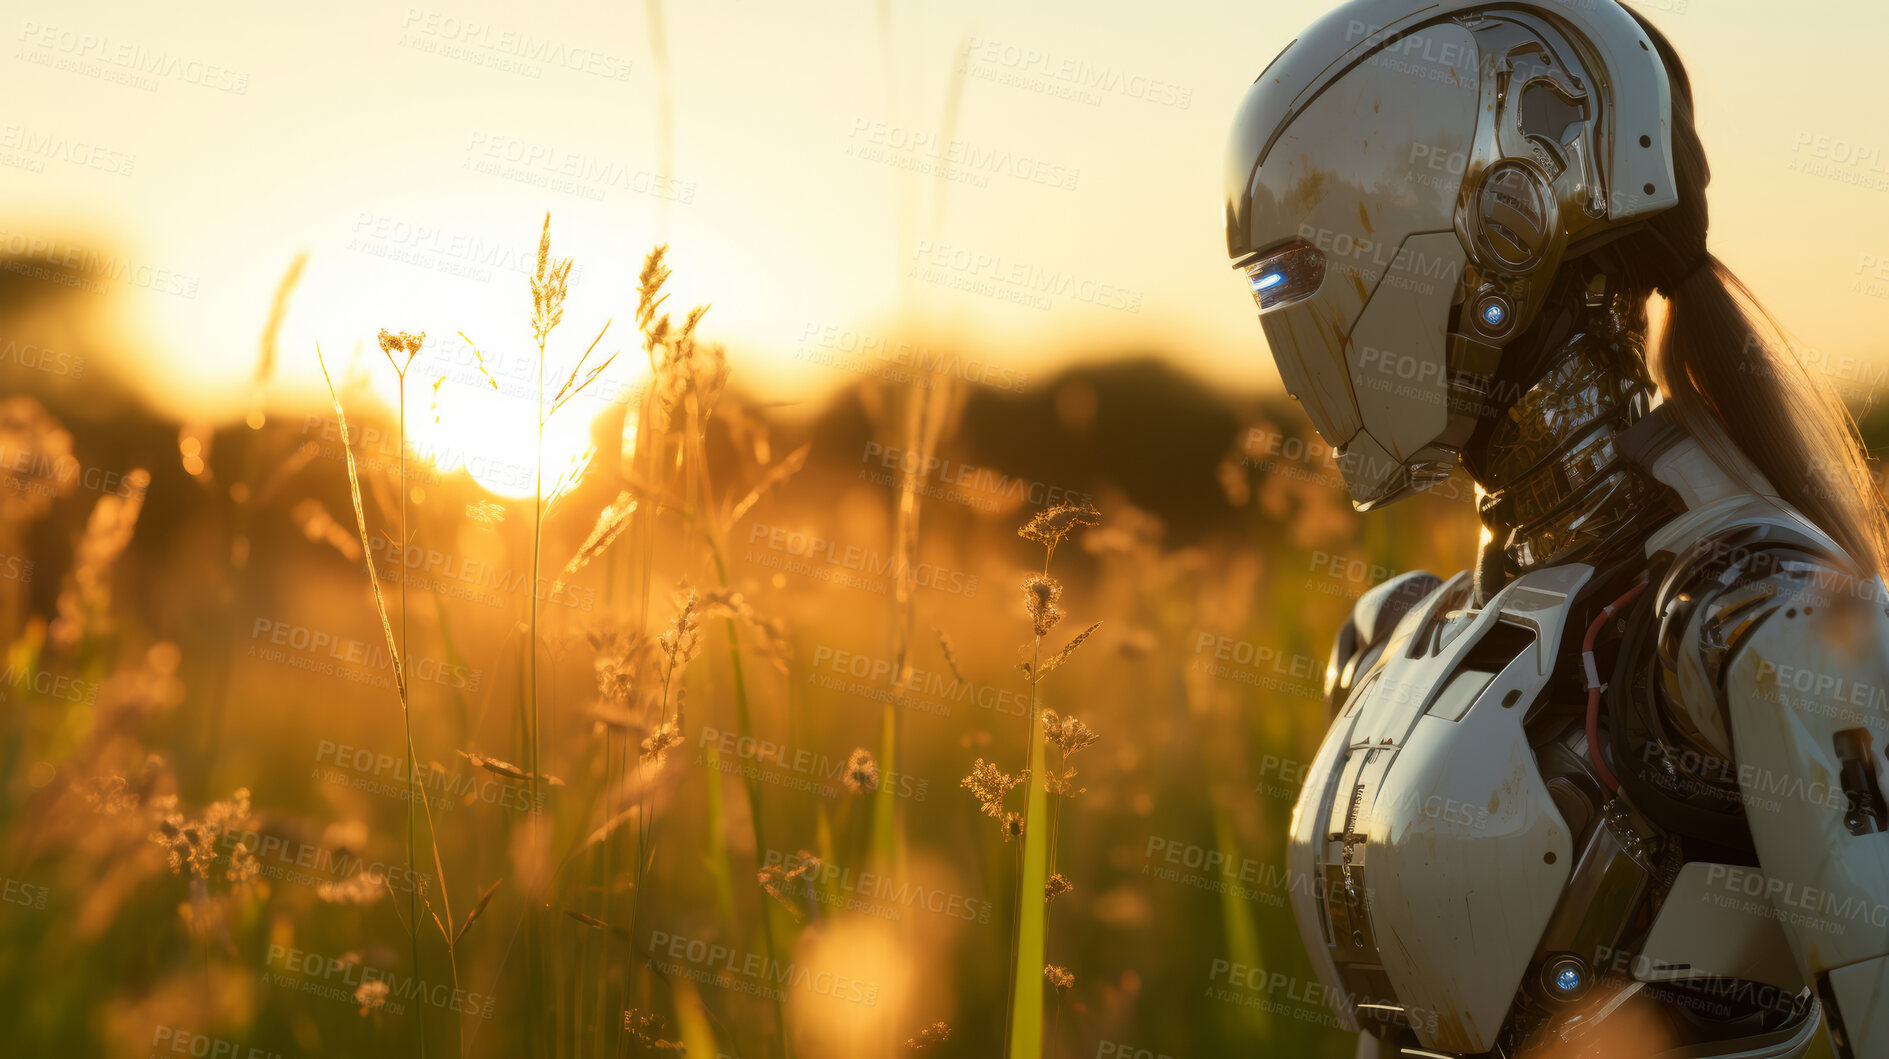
x,y
1058,976
616,677
862,772
779,880
84,603
169,832
39,467
1057,886
372,996
192,843
682,640
988,784
659,742
1072,737
1069,733
647,1031
620,658
687,369
108,795
1040,596
361,888
1054,526
400,342
244,865
486,512
929,1038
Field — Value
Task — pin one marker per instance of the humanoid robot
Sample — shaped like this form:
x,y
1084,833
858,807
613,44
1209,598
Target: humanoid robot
x,y
1618,791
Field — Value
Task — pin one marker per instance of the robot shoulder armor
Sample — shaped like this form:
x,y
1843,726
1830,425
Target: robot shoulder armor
x,y
1362,636
1727,584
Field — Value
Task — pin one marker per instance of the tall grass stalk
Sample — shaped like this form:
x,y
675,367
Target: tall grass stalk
x,y
549,286
396,652
744,724
1024,1037
410,344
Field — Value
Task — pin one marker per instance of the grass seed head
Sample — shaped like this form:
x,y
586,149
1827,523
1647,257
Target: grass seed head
x,y
792,887
988,784
1041,594
657,744
110,795
401,347
372,996
647,1029
930,1039
549,284
1012,826
681,641
1052,527
1068,733
361,888
39,467
862,772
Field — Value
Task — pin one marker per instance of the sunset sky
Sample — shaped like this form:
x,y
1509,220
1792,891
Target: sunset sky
x,y
413,150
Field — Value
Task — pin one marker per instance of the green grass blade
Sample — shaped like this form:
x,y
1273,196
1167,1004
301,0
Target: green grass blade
x,y
720,870
1026,1008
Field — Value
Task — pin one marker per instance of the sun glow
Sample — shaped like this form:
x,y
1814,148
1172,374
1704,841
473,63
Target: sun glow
x,y
491,434
493,439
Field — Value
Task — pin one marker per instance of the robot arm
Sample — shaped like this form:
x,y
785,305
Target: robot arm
x,y
1803,676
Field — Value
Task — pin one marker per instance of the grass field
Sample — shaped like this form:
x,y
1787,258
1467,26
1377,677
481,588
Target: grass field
x,y
716,743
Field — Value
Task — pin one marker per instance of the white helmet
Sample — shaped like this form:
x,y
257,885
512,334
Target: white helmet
x,y
1403,183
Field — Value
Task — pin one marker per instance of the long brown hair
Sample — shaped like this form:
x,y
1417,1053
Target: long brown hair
x,y
1728,372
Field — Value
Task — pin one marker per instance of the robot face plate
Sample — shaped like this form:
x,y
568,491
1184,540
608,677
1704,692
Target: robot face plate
x,y
1403,182
1354,211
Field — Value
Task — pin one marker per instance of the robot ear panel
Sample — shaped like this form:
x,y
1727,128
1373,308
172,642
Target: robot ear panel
x,y
1549,116
1516,217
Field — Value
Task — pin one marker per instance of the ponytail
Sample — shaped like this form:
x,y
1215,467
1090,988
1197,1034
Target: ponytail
x,y
1729,375
1741,390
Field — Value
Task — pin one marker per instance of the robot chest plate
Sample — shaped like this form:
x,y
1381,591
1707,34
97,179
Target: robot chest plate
x,y
1433,852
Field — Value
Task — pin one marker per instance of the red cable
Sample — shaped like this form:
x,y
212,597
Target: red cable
x,y
1594,686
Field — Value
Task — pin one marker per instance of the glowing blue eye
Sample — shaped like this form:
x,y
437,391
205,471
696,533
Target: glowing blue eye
x,y
1568,980
1492,314
1285,276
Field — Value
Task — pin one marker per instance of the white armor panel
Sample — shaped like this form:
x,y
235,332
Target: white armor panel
x,y
1438,852
1807,690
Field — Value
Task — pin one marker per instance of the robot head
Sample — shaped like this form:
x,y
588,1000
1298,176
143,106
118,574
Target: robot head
x,y
1404,181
